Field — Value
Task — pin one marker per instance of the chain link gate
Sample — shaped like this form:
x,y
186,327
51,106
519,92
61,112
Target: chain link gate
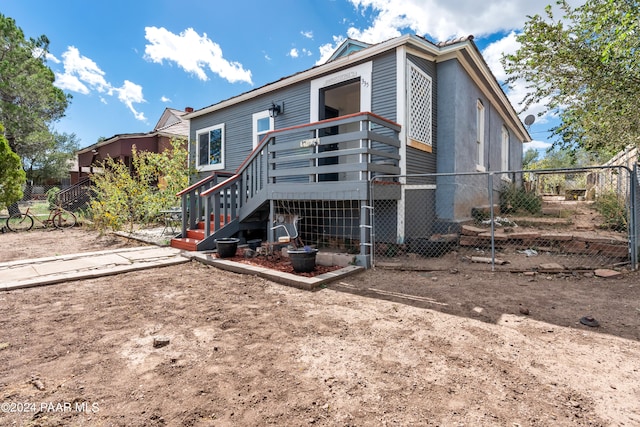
x,y
534,220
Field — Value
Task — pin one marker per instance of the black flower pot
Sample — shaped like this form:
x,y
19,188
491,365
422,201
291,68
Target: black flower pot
x,y
227,247
303,260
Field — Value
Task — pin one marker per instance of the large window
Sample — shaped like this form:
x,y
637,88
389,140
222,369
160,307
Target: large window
x,y
210,150
262,124
480,165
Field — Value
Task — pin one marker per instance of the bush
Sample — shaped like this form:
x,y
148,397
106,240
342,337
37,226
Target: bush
x,y
124,197
52,197
613,210
514,199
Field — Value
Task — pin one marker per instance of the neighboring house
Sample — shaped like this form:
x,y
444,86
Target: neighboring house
x,y
171,125
304,149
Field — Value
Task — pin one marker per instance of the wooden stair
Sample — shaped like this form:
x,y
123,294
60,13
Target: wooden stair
x,y
195,236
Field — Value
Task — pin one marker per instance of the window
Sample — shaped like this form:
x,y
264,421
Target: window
x,y
210,148
480,166
262,124
420,106
504,164
505,149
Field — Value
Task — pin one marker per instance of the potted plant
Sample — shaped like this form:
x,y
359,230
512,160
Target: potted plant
x,y
303,260
227,246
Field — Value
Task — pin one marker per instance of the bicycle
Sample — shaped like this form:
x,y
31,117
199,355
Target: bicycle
x,y
58,217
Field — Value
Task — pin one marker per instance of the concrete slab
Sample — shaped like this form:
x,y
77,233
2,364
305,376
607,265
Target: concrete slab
x,y
9,274
151,252
41,280
61,266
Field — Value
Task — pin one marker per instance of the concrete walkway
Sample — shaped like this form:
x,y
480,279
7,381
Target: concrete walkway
x,y
45,271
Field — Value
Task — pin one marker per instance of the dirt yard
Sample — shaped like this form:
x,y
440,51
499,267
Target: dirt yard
x,y
380,348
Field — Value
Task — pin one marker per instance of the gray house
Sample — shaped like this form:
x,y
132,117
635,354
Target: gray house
x,y
297,156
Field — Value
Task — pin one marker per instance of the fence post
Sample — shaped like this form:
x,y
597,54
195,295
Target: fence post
x,y
634,229
366,243
492,221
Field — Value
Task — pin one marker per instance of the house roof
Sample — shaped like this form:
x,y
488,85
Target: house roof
x,y
348,47
352,52
171,124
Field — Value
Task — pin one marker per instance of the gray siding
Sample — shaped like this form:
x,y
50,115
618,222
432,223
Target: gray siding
x,y
239,125
457,97
384,87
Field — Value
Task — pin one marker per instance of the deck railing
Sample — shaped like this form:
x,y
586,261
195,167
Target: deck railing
x,y
301,161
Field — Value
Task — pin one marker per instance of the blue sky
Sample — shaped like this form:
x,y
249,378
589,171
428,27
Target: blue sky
x,y
124,62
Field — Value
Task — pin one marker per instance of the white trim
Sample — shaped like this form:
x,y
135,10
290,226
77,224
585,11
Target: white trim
x,y
254,119
362,71
480,136
218,166
420,187
401,118
409,99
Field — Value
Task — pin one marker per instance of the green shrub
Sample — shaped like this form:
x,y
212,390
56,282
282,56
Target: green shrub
x,y
613,210
52,197
514,199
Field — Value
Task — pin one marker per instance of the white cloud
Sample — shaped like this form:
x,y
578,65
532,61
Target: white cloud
x,y
52,58
83,75
518,89
165,99
326,50
129,94
536,145
293,53
443,20
193,53
84,70
307,34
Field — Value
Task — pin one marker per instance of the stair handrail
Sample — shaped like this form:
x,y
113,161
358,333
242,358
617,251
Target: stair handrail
x,y
192,204
67,194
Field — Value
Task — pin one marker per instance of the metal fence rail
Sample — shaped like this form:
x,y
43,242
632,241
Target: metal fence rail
x,y
551,220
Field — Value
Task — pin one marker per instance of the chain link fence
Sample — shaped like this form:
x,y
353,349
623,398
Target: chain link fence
x,y
534,220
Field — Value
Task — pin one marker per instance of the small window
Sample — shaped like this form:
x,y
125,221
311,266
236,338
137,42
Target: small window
x,y
480,166
210,148
262,124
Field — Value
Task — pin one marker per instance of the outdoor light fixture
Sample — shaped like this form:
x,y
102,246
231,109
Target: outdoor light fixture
x,y
276,109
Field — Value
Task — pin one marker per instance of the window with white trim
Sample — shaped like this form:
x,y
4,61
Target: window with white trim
x,y
262,124
420,108
210,149
504,164
505,149
480,165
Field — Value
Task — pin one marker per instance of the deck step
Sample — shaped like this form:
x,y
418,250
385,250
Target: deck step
x,y
185,243
196,234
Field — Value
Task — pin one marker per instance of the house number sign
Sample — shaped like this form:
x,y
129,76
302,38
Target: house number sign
x,y
309,142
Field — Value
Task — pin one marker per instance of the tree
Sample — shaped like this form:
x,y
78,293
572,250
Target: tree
x,y
585,68
29,101
123,196
47,155
12,177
